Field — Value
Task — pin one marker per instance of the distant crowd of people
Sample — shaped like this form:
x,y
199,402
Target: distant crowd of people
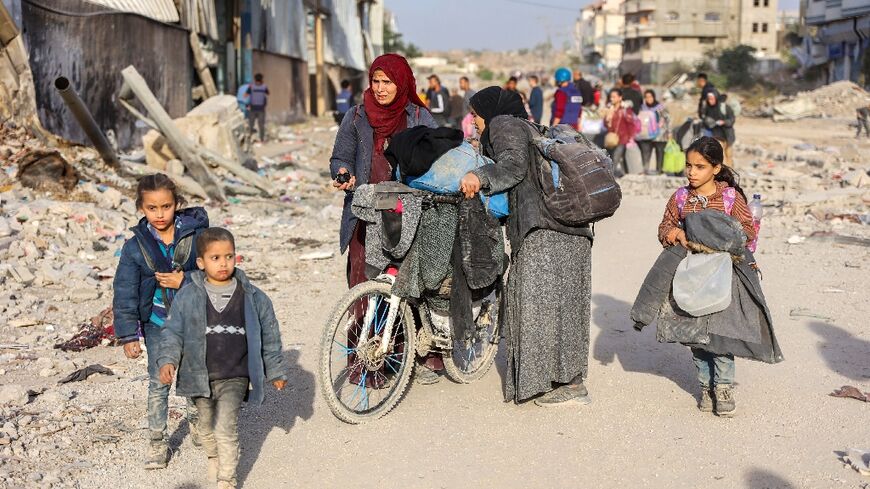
x,y
631,123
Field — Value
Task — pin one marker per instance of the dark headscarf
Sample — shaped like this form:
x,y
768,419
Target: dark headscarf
x,y
492,102
416,149
387,120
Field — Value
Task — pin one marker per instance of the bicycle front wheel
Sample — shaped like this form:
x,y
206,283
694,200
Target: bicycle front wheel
x,y
472,357
360,381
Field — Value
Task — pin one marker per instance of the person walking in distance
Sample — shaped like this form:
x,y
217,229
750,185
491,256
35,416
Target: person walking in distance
x,y
655,130
536,100
258,96
719,120
706,88
585,88
863,114
439,101
622,126
467,92
567,103
631,92
343,101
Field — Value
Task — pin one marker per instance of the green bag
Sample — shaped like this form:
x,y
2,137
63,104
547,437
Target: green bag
x,y
675,159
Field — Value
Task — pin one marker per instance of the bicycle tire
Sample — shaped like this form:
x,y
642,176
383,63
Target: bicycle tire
x,y
337,407
458,374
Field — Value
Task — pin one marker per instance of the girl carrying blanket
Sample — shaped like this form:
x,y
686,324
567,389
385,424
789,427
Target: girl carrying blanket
x,y
710,215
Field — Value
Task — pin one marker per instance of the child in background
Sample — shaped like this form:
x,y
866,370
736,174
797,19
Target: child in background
x,y
221,336
154,264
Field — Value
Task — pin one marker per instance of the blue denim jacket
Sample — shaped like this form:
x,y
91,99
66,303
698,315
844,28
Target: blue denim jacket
x,y
353,149
183,341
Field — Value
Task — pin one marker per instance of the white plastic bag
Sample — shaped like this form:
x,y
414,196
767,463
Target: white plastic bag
x,y
702,284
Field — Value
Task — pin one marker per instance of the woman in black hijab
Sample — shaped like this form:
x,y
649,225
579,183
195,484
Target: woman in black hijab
x,y
547,306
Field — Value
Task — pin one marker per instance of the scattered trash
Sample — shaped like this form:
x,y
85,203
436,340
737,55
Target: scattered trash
x,y
92,334
858,460
317,255
801,312
851,392
796,239
83,373
45,169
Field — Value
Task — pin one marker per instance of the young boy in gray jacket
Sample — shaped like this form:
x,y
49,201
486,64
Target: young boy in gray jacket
x,y
221,336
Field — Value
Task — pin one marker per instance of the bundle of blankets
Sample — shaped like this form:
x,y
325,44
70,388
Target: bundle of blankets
x,y
434,244
744,329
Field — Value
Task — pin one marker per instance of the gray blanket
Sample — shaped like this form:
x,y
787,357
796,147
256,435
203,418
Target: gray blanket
x,y
744,329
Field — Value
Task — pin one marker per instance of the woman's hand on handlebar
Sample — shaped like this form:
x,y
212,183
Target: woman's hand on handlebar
x,y
470,185
348,185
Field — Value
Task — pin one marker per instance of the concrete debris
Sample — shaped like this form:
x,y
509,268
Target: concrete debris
x,y
13,395
837,100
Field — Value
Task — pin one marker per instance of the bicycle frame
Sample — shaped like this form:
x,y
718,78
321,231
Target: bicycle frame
x,y
394,303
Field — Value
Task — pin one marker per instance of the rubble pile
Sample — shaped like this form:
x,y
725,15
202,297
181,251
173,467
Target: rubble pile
x,y
58,253
837,100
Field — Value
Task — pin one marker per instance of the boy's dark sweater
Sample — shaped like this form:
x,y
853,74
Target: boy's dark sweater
x,y
226,343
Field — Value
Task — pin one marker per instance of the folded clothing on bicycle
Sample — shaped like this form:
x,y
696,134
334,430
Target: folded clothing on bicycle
x,y
414,150
461,242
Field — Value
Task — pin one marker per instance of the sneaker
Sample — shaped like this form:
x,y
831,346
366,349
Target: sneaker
x,y
426,376
212,469
158,455
725,405
706,402
565,395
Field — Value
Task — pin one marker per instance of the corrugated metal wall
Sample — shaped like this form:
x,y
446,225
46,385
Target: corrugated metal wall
x,y
162,10
344,39
91,52
279,27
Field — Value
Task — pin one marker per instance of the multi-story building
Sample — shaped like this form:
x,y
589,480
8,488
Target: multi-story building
x,y
598,33
660,34
837,37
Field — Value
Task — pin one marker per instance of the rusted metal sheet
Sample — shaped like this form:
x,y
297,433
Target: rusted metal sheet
x,y
91,52
160,10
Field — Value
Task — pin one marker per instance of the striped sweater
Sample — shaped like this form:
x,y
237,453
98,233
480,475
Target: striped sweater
x,y
672,218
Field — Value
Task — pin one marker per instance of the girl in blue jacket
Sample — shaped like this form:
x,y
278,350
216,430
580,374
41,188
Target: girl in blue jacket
x,y
154,264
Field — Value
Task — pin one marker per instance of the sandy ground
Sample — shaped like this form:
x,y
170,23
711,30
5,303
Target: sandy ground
x,y
641,430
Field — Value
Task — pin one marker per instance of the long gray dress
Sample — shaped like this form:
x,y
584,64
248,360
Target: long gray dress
x,y
547,300
547,313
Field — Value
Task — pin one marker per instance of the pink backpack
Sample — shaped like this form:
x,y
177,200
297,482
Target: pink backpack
x,y
729,195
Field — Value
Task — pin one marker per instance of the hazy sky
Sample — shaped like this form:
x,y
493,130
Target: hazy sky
x,y
492,24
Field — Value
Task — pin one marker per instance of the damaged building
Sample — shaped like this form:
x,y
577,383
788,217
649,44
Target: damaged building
x,y
188,50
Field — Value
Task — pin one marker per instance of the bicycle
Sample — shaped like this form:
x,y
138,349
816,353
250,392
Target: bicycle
x,y
372,338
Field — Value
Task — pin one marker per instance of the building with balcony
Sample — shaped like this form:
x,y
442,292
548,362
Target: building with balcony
x,y
662,34
598,34
837,38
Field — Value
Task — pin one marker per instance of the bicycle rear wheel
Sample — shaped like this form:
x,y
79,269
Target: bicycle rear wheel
x,y
471,358
358,381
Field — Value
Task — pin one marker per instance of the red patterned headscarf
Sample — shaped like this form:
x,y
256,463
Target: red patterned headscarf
x,y
389,119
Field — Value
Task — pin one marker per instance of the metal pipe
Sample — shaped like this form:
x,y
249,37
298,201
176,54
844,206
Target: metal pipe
x,y
86,121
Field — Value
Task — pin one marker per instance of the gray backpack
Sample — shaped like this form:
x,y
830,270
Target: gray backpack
x,y
575,177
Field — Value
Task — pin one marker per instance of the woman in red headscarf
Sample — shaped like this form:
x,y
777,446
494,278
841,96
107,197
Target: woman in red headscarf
x,y
390,105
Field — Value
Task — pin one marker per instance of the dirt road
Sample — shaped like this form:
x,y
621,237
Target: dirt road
x,y
642,429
